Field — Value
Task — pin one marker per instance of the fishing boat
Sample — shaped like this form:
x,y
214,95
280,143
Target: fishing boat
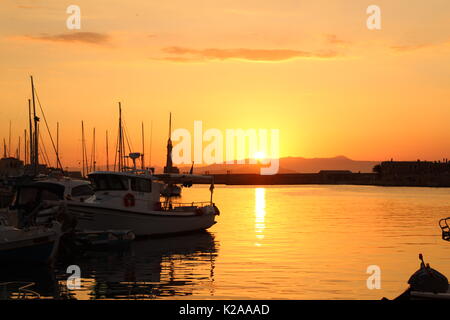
x,y
131,200
35,244
30,231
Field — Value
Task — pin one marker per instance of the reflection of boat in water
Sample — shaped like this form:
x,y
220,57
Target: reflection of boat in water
x,y
23,282
149,268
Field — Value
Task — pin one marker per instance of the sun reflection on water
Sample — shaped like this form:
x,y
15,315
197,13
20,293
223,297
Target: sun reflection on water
x,y
260,213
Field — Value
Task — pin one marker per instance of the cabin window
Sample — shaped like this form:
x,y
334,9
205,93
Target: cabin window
x,y
83,190
141,185
49,195
109,182
27,195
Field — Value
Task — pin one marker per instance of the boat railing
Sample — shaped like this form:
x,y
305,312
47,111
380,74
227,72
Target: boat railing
x,y
180,205
443,223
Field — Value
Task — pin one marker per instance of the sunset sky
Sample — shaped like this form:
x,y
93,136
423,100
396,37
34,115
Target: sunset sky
x,y
310,68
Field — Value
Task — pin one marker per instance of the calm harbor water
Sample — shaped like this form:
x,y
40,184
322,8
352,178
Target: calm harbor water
x,y
279,242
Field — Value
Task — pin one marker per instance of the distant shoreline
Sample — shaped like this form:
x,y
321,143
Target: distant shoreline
x,y
345,178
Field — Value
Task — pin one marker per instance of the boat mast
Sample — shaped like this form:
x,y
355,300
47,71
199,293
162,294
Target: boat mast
x,y
9,140
36,129
120,139
30,155
18,149
4,148
82,148
93,153
57,144
151,138
25,147
107,154
142,154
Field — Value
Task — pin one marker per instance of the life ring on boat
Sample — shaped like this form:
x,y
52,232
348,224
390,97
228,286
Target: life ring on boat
x,y
128,200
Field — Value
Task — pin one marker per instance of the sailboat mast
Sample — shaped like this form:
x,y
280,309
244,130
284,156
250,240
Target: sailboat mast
x,y
30,155
151,138
82,148
120,139
93,153
107,153
25,147
57,144
36,136
9,140
143,144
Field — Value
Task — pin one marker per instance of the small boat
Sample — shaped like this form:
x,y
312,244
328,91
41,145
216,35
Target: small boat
x,y
98,240
426,284
34,244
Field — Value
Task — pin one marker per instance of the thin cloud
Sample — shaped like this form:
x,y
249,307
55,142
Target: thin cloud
x,y
80,37
413,47
182,54
410,47
22,6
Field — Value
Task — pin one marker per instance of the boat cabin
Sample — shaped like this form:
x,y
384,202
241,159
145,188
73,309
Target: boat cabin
x,y
134,189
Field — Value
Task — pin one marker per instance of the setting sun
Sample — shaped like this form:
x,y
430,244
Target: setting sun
x,y
260,155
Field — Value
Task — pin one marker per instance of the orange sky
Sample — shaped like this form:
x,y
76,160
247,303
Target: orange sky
x,y
309,68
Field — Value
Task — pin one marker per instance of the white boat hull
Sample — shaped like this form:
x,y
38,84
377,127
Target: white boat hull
x,y
152,223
